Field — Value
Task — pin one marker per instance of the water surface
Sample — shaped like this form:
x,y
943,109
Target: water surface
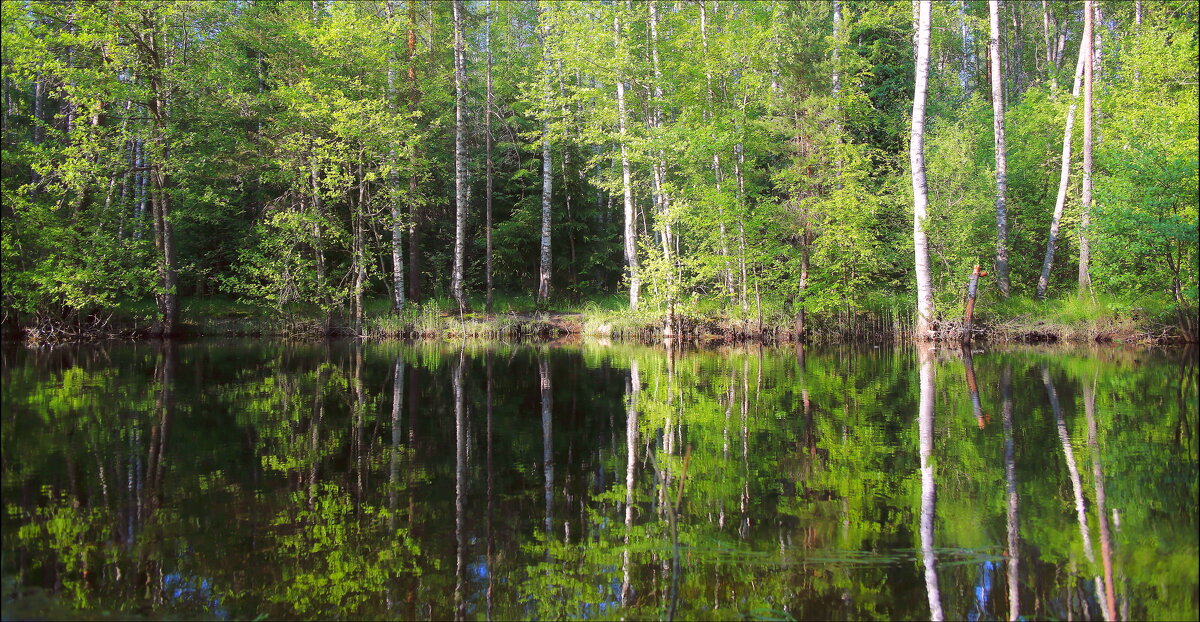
x,y
246,479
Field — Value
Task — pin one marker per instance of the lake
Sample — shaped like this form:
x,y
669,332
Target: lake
x,y
244,479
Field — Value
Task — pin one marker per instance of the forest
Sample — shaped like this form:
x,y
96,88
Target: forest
x,y
806,166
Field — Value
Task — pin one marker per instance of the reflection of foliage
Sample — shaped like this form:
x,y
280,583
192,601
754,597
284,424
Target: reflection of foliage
x,y
80,536
334,557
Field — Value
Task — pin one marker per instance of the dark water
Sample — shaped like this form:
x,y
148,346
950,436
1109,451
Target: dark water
x,y
260,479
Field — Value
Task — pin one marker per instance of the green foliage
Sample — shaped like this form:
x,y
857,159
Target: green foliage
x,y
289,143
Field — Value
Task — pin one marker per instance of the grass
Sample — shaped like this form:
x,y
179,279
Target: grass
x,y
1078,318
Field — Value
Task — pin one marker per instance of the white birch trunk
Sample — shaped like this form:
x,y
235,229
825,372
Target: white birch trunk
x,y
924,323
394,182
837,27
659,179
547,181
1001,159
1085,279
460,158
1063,179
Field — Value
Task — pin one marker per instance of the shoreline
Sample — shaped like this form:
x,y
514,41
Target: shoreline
x,y
551,326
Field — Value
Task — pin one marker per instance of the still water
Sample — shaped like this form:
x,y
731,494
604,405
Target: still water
x,y
262,479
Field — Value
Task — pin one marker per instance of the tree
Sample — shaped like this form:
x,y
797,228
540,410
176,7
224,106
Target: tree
x,y
1064,176
460,158
1001,162
925,314
543,292
1085,279
398,288
630,225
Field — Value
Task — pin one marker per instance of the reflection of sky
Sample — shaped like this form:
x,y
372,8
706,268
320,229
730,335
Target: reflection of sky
x,y
190,591
983,590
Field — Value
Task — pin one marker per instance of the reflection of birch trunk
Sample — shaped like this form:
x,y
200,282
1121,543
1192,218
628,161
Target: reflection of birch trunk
x,y
360,408
732,394
1109,604
1072,468
745,523
1010,474
460,481
547,442
630,226
631,441
928,492
394,467
668,426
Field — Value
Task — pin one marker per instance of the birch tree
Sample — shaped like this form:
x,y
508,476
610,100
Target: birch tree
x,y
460,158
394,174
543,293
916,150
1085,280
1064,177
630,223
1001,160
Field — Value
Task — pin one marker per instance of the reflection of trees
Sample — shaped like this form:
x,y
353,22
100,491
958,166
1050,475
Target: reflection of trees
x,y
805,492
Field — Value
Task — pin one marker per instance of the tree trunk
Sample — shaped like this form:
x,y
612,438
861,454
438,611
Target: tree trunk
x,y
164,237
487,123
1063,179
39,131
360,259
460,158
924,323
968,50
659,178
1048,36
394,183
801,311
1001,159
543,293
631,258
837,27
1085,279
414,99
738,162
